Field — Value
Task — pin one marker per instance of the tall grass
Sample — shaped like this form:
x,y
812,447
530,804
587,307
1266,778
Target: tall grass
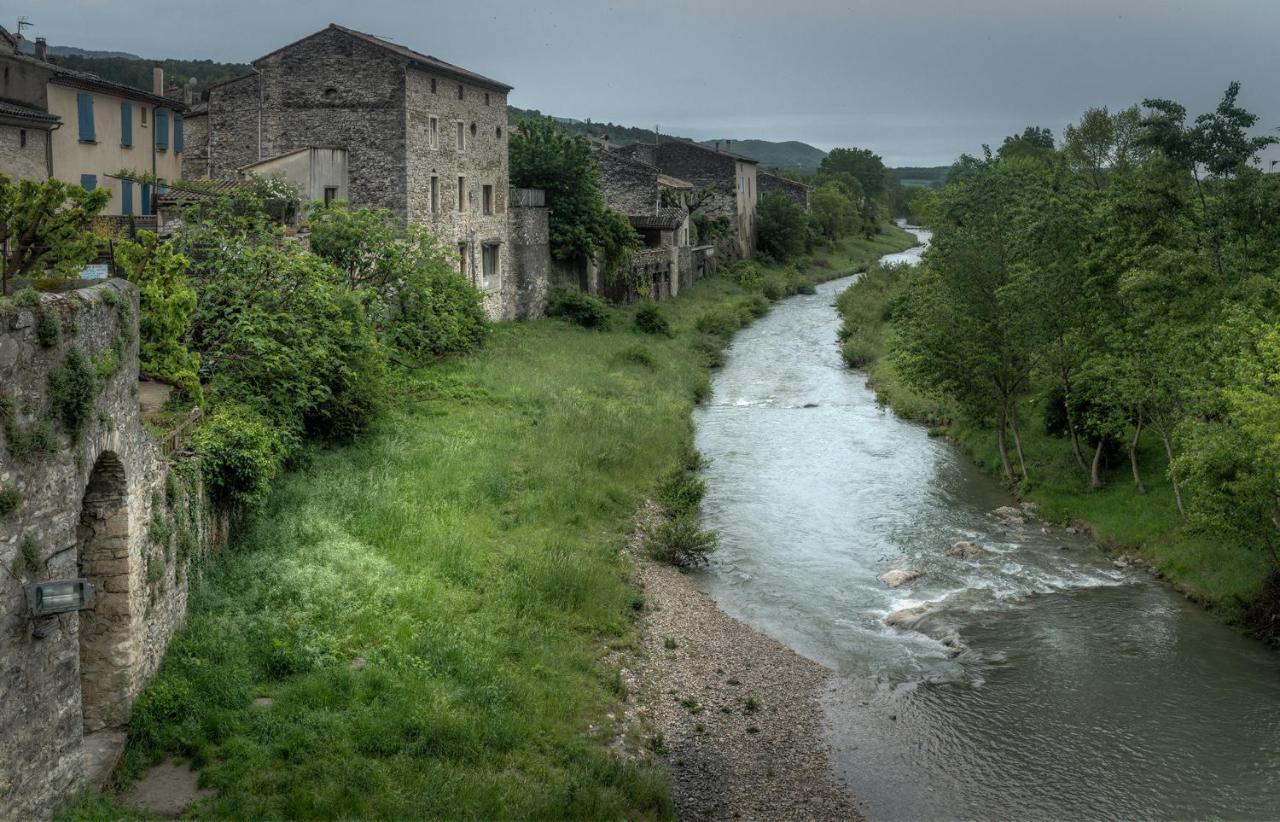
x,y
429,608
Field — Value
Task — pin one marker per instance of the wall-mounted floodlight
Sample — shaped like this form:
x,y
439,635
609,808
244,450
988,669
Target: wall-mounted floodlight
x,y
56,596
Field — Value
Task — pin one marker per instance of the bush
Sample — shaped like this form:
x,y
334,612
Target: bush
x,y
72,389
48,327
650,320
756,306
710,348
10,499
680,492
775,290
240,453
433,312
578,307
638,355
747,274
782,229
719,322
680,541
166,302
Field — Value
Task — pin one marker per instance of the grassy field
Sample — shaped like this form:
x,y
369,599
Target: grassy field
x,y
429,609
1214,572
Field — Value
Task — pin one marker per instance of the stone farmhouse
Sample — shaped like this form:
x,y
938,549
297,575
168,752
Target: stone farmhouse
x,y
776,182
728,179
423,138
81,129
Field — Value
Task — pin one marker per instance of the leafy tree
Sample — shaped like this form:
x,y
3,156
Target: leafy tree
x,y
860,163
166,303
43,228
781,226
1034,142
833,213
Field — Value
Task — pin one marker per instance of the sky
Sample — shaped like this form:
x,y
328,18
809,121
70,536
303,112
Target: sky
x,y
917,81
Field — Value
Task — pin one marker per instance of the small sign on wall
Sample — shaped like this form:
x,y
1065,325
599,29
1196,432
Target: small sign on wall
x,y
95,271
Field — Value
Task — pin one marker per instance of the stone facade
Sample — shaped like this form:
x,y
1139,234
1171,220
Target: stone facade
x,y
728,179
24,152
103,505
425,139
531,259
629,185
795,190
195,159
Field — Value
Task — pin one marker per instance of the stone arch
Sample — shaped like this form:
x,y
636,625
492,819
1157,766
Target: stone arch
x,y
106,668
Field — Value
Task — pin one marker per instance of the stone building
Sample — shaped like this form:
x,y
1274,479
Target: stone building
x,y
776,182
85,492
91,129
425,139
727,179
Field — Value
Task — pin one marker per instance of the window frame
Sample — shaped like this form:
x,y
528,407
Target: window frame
x,y
490,275
462,194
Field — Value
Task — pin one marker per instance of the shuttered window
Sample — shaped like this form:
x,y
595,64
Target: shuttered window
x,y
145,205
126,197
162,129
177,134
126,123
88,181
84,112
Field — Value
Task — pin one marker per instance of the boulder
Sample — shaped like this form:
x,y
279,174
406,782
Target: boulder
x,y
900,576
1009,514
965,550
908,617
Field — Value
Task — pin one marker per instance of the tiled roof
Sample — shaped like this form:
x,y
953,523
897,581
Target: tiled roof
x,y
417,58
20,112
82,79
666,218
193,191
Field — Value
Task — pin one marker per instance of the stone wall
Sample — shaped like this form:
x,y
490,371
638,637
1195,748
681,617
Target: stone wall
x,y
24,162
772,182
195,151
629,186
233,126
88,494
531,259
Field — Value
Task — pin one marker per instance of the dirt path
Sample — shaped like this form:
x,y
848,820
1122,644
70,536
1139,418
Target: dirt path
x,y
737,711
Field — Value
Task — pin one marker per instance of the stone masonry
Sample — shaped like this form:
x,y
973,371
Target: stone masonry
x,y
775,182
102,504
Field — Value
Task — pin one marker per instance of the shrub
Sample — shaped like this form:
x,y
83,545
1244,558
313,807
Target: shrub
x,y
774,290
48,327
719,322
680,492
72,388
710,348
756,306
10,499
650,320
781,226
747,274
578,307
638,355
680,541
166,304
433,312
239,455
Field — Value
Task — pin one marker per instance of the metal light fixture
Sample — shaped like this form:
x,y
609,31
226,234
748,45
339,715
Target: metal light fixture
x,y
56,596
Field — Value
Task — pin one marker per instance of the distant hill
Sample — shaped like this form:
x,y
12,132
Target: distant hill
x,y
792,155
132,70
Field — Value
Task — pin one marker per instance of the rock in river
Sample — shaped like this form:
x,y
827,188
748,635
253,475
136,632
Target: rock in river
x,y
908,617
899,576
965,550
1010,515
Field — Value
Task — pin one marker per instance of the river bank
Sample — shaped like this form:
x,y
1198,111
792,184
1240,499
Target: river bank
x,y
421,624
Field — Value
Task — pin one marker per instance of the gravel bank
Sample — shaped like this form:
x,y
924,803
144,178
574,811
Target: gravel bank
x,y
737,711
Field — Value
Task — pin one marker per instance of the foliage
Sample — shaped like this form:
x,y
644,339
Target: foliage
x,y
834,214
680,541
545,155
10,499
649,319
42,228
638,355
240,454
781,227
680,492
1034,142
578,307
167,302
73,388
722,322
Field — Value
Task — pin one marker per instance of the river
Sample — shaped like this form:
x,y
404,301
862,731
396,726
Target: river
x,y
1079,691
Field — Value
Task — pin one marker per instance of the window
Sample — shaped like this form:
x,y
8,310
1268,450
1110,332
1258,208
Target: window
x,y
487,199
331,93
499,132
462,261
460,94
330,194
433,85
435,194
433,132
143,112
177,133
126,124
162,129
486,98
88,181
473,129
462,136
84,114
462,194
146,198
489,265
126,197
22,138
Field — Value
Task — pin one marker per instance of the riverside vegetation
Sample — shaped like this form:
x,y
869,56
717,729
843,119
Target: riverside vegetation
x,y
415,613
1095,323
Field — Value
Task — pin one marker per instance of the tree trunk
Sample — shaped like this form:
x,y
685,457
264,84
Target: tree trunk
x,y
1096,471
1133,456
1075,436
1004,446
1017,441
1173,475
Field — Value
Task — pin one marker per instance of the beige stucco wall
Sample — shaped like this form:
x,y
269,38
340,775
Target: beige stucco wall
x,y
483,161
72,158
19,162
312,170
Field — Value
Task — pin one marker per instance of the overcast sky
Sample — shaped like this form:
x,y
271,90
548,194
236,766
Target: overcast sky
x,y
918,81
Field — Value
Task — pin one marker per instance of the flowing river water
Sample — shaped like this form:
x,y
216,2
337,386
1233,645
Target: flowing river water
x,y
1044,682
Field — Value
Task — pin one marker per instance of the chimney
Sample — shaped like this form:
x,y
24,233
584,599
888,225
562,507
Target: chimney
x,y
157,80
41,49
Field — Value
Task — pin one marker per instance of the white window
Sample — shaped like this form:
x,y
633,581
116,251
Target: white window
x,y
435,194
462,136
462,194
489,265
433,132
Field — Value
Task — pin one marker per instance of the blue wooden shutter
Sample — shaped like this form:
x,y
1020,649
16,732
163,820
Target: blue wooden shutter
x,y
177,133
146,198
162,129
126,123
88,181
126,197
84,110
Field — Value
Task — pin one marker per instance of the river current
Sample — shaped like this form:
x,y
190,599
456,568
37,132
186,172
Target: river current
x,y
1038,680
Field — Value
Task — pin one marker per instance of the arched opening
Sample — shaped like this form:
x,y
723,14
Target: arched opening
x,y
105,660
